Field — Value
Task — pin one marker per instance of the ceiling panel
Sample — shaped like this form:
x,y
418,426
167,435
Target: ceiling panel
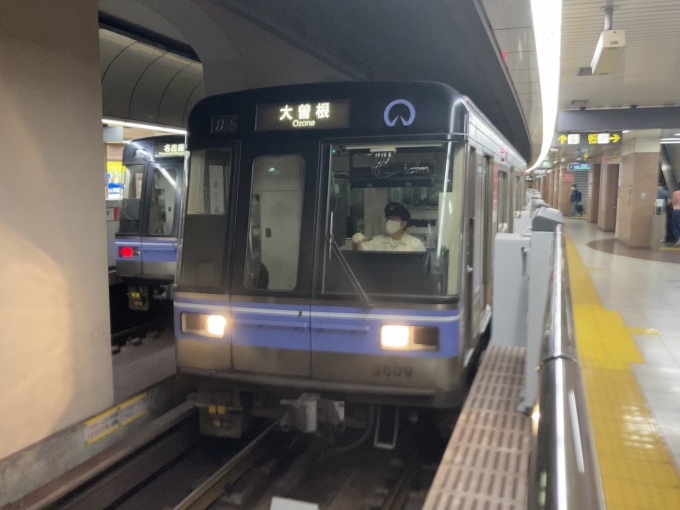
x,y
513,28
508,13
140,82
516,39
648,73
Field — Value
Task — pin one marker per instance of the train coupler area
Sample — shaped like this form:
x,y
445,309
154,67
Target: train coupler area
x,y
222,414
138,297
309,409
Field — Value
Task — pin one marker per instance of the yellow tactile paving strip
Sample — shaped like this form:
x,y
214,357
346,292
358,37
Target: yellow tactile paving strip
x,y
638,472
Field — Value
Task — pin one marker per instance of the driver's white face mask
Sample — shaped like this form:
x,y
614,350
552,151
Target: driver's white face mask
x,y
392,226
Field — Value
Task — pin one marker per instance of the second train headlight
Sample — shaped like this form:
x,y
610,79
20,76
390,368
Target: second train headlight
x,y
204,324
414,338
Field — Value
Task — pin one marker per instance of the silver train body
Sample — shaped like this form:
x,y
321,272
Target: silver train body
x,y
273,304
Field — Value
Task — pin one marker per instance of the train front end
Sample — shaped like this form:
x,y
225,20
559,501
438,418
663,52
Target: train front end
x,y
295,295
146,241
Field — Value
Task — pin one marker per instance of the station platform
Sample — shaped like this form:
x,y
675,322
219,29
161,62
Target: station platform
x,y
138,367
626,308
627,319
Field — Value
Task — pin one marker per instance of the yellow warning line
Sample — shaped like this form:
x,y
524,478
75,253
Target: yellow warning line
x,y
116,408
638,472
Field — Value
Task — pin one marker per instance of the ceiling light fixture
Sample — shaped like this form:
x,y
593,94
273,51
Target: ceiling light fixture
x,y
547,21
150,127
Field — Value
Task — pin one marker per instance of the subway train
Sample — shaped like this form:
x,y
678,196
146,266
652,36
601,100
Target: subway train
x,y
335,251
146,241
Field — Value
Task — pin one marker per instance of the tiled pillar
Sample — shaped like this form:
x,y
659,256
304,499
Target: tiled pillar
x,y
556,188
639,174
593,193
564,194
609,179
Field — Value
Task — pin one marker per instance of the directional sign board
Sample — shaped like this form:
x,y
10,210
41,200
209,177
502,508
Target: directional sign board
x,y
587,139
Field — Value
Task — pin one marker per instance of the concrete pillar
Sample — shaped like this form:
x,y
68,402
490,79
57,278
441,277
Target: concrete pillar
x,y
638,177
55,361
556,188
564,193
609,188
593,193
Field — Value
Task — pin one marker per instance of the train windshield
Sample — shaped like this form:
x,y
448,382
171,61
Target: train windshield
x,y
163,198
393,222
130,207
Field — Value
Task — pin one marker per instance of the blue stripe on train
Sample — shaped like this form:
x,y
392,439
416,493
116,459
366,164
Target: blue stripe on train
x,y
325,328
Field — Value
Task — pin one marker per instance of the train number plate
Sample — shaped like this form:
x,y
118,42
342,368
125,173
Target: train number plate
x,y
392,371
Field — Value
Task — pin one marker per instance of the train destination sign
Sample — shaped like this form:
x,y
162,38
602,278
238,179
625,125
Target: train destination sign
x,y
308,115
168,150
587,139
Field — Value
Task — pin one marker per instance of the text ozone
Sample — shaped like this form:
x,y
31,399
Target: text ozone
x,y
304,123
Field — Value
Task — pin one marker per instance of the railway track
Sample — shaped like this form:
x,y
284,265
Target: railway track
x,y
167,465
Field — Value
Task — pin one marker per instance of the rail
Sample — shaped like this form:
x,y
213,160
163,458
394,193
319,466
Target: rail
x,y
564,472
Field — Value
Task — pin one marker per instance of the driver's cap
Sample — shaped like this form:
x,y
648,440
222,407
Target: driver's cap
x,y
396,209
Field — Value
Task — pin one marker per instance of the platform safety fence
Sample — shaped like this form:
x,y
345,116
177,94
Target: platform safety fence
x,y
564,472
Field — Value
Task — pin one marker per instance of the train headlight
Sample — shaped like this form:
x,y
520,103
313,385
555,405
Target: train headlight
x,y
395,337
204,324
411,338
216,325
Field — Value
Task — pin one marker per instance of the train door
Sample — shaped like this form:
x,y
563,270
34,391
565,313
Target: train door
x,y
490,215
163,191
503,201
476,228
128,237
273,256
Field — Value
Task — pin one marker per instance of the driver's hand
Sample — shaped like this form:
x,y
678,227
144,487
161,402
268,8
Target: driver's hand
x,y
358,238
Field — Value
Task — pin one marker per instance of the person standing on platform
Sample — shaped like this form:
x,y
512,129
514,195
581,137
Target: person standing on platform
x,y
662,194
575,199
675,219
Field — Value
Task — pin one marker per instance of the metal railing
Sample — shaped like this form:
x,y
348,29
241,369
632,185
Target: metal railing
x,y
564,470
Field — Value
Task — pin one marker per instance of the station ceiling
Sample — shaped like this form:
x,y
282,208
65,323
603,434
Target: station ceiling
x,y
141,82
648,72
451,41
513,29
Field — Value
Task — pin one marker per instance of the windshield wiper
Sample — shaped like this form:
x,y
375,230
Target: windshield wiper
x,y
347,269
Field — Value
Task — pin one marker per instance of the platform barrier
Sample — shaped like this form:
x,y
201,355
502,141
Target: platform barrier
x,y
564,471
501,458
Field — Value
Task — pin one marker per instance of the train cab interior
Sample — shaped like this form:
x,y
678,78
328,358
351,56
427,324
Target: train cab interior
x,y
363,179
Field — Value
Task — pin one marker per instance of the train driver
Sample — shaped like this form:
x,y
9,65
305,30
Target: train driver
x,y
396,239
